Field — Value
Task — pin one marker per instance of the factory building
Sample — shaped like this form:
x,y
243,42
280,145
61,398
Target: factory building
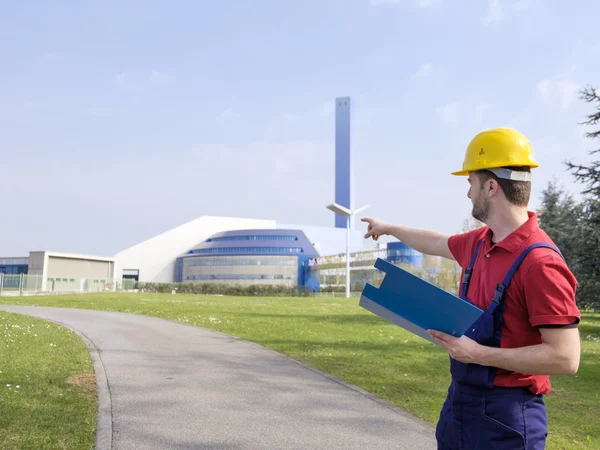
x,y
154,259
45,271
247,257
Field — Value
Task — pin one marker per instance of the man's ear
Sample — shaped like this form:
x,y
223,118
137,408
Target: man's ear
x,y
493,187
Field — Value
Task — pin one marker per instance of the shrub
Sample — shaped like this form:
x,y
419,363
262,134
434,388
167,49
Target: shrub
x,y
257,290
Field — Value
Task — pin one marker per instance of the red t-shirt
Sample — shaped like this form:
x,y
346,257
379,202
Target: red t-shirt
x,y
542,291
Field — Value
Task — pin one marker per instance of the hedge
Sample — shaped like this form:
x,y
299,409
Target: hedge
x,y
263,290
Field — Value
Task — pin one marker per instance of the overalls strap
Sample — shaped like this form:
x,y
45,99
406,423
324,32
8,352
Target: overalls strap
x,y
499,294
469,271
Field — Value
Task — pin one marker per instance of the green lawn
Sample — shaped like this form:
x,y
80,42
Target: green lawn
x,y
47,386
338,337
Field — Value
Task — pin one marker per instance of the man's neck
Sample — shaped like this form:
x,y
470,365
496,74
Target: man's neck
x,y
504,221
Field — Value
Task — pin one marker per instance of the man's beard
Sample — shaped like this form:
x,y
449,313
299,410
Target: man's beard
x,y
481,210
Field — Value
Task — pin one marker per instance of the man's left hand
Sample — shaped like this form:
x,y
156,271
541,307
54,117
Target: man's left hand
x,y
462,349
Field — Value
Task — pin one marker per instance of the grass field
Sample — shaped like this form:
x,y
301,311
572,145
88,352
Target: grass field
x,y
47,386
337,337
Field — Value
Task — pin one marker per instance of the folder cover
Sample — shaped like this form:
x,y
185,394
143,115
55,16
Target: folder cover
x,y
417,305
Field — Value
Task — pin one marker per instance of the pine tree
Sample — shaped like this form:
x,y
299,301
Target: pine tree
x,y
588,251
560,215
589,174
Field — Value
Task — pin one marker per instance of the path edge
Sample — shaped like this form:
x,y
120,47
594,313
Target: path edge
x,y
104,420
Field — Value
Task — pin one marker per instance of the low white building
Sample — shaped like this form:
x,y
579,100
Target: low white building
x,y
154,260
70,272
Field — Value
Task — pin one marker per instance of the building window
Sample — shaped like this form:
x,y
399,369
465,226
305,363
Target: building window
x,y
241,277
205,262
253,238
13,269
249,250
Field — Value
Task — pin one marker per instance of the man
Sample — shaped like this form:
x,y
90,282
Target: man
x,y
512,270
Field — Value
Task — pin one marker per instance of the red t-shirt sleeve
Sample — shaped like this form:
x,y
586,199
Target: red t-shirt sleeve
x,y
463,245
550,289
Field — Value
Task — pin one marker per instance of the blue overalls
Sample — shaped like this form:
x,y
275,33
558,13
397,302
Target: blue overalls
x,y
478,415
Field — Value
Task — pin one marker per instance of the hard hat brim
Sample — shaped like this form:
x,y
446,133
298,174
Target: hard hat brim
x,y
461,173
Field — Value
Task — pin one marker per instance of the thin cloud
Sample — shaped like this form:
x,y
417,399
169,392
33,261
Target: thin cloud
x,y
48,57
125,80
121,79
498,10
417,3
557,91
424,71
227,117
480,110
160,77
494,13
327,110
99,112
449,113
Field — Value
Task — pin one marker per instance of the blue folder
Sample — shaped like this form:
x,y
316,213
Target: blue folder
x,y
416,304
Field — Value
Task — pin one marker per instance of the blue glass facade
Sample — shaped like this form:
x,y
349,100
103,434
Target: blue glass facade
x,y
246,250
14,266
401,253
14,269
249,255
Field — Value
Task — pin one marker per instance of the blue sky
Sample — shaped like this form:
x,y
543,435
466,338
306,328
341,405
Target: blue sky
x,y
122,119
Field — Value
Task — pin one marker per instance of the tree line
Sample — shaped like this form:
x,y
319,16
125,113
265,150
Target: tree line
x,y
574,226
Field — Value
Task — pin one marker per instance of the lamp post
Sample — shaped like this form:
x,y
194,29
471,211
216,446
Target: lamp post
x,y
343,211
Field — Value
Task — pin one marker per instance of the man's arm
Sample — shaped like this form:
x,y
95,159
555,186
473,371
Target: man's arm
x,y
558,354
424,241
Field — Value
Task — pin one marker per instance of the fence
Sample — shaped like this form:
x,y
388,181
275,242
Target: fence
x,y
24,284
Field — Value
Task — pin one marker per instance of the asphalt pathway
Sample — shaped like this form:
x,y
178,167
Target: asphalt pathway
x,y
165,385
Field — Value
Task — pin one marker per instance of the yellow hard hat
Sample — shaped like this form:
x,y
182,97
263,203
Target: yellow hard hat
x,y
500,147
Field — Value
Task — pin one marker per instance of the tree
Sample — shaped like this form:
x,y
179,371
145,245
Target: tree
x,y
587,266
590,174
471,224
560,217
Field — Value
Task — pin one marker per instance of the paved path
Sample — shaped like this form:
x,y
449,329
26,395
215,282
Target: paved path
x,y
174,386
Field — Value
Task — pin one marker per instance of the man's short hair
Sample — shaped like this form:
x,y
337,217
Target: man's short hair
x,y
516,192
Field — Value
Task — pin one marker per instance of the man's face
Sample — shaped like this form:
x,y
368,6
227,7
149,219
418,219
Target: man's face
x,y
481,202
